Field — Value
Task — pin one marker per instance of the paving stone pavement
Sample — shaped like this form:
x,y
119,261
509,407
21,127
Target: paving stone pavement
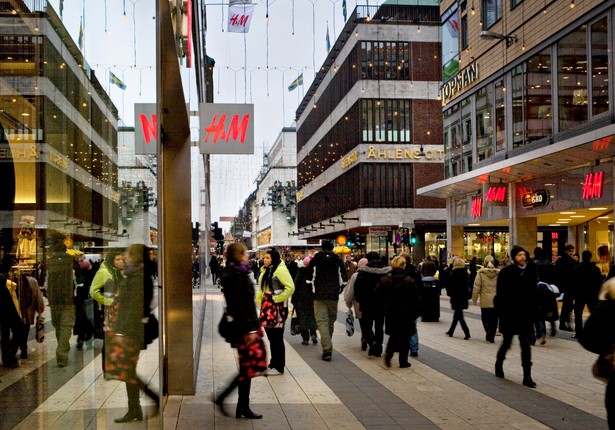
x,y
449,386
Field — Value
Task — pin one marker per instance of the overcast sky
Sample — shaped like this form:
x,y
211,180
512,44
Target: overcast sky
x,y
256,68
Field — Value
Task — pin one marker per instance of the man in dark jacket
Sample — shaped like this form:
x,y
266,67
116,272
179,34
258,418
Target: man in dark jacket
x,y
372,310
327,275
564,267
516,303
586,281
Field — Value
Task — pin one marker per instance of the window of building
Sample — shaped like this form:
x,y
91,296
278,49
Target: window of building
x,y
600,66
466,121
572,79
484,127
385,60
450,43
464,32
515,3
385,120
492,12
531,99
500,116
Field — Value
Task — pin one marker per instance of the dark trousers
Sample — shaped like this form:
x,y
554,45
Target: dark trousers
x,y
489,318
276,345
373,331
399,341
9,341
526,349
579,307
609,401
458,317
567,307
305,334
132,390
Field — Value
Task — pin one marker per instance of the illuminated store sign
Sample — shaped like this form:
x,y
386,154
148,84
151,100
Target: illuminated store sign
x,y
463,79
384,153
477,207
533,199
146,128
350,160
592,187
227,128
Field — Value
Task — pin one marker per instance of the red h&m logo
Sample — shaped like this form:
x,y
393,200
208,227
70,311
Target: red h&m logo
x,y
554,235
235,129
593,185
238,19
496,194
150,129
477,207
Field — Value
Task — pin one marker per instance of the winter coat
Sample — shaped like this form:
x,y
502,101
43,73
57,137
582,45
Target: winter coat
x,y
30,300
349,297
485,286
327,275
303,300
401,302
457,288
586,283
563,270
134,298
104,274
367,279
238,292
60,279
516,299
282,285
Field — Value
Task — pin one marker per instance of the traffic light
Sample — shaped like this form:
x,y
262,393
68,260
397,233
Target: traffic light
x,y
405,237
413,238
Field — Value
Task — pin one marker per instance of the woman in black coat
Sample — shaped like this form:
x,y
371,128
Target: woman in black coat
x,y
402,306
303,301
457,290
238,292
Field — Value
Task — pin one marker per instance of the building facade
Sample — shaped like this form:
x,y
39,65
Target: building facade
x,y
369,133
58,139
528,125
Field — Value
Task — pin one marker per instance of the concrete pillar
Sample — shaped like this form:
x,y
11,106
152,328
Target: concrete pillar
x,y
454,240
523,230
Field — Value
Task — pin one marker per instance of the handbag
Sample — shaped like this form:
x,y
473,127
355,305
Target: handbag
x,y
604,367
40,328
227,327
349,322
151,329
272,315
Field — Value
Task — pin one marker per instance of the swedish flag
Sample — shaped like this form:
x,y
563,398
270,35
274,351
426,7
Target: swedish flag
x,y
116,81
294,84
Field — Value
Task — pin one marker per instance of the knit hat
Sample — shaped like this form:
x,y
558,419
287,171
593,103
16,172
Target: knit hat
x,y
515,250
306,260
372,256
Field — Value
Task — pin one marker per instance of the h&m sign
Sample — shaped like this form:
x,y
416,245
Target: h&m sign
x,y
227,128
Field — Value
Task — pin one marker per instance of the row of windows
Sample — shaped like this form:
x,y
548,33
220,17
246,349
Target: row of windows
x,y
496,120
372,185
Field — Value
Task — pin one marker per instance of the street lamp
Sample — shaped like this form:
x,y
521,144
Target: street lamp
x,y
492,35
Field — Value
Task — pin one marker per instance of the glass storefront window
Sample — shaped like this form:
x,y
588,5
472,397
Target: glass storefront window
x,y
481,244
484,127
500,116
600,66
452,140
572,79
385,60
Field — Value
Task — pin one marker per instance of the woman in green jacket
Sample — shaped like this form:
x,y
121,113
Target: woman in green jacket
x,y
276,286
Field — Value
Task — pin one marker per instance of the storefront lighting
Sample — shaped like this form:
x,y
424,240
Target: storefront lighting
x,y
598,209
561,222
567,213
474,224
577,216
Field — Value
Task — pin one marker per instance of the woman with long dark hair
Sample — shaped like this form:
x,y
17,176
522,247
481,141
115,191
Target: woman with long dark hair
x,y
276,286
238,291
457,290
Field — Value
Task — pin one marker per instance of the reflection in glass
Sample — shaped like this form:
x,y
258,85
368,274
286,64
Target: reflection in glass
x,y
572,79
600,66
500,116
484,127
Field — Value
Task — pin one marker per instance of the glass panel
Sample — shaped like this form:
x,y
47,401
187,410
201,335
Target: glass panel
x,y
492,12
450,47
500,116
72,200
572,79
600,66
484,127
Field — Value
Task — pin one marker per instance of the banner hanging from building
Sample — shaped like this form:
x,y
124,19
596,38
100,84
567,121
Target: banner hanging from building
x,y
146,128
240,16
226,128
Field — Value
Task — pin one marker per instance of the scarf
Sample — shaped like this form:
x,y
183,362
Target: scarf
x,y
240,267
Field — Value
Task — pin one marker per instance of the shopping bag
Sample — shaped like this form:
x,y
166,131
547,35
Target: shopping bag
x,y
349,322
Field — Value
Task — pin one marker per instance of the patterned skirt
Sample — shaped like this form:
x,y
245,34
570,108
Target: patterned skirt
x,y
252,358
121,356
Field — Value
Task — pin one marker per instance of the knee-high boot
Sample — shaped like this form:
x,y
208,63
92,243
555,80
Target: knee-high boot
x,y
243,404
527,376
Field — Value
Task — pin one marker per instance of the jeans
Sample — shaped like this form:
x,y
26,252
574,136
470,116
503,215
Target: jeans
x,y
374,332
325,313
63,320
526,349
414,339
458,317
